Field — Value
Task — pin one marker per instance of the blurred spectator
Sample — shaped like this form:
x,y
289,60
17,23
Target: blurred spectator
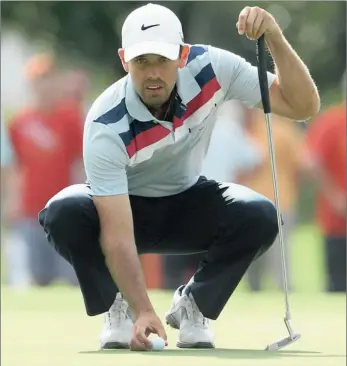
x,y
75,85
288,144
6,160
178,269
230,153
18,248
47,140
326,161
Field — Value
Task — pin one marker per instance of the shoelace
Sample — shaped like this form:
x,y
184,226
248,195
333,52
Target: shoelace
x,y
195,315
117,313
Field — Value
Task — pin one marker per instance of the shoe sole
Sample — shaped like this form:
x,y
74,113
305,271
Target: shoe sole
x,y
115,345
198,345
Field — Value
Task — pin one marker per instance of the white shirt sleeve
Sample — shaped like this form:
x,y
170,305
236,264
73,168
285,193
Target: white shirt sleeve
x,y
237,77
105,160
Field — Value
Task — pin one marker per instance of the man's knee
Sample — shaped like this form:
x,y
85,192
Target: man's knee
x,y
260,218
265,222
66,213
66,216
267,215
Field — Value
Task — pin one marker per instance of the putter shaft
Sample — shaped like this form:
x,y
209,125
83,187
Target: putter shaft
x,y
265,97
279,220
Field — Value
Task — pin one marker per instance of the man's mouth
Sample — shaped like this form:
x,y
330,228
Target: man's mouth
x,y
154,87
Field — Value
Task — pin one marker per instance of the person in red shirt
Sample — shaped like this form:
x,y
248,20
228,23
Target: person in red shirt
x,y
76,84
47,141
326,159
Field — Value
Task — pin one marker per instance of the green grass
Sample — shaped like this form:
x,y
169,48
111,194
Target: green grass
x,y
49,328
307,266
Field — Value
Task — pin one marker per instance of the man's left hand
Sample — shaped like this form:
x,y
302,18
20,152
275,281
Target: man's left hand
x,y
254,22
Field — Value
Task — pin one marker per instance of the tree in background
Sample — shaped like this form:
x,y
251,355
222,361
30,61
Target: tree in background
x,y
92,30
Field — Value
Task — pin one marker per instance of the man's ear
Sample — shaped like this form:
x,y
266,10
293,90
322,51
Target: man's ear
x,y
121,56
184,56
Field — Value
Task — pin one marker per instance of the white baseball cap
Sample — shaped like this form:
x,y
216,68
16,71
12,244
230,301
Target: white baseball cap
x,y
152,29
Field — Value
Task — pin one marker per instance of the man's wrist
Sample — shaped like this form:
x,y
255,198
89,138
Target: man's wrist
x,y
142,306
273,37
143,310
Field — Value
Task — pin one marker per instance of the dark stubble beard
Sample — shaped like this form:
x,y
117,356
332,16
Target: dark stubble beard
x,y
161,111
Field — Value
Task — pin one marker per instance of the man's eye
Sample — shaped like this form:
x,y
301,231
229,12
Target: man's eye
x,y
163,59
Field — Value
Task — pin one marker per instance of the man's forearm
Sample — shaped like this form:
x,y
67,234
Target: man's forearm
x,y
296,83
125,267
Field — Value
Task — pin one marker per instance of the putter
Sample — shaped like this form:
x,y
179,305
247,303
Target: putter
x,y
263,83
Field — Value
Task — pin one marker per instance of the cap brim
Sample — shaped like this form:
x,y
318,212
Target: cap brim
x,y
168,50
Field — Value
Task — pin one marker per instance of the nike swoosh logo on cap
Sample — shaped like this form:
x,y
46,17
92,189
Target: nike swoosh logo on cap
x,y
149,26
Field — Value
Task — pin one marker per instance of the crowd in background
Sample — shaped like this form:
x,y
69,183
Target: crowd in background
x,y
41,153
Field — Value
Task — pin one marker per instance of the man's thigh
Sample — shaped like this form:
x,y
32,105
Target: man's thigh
x,y
189,222
184,223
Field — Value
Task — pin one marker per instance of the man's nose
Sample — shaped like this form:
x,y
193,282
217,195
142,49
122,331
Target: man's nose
x,y
154,73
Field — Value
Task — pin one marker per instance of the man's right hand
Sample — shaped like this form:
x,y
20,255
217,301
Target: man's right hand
x,y
117,240
146,323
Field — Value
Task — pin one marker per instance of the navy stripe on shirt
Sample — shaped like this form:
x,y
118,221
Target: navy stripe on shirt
x,y
195,51
114,115
205,75
136,127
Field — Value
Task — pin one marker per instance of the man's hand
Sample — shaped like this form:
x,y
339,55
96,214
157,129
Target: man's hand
x,y
146,323
254,22
293,94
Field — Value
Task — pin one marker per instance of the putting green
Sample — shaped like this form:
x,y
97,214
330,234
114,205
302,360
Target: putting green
x,y
48,327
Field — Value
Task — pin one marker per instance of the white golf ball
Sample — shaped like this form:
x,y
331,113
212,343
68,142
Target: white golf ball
x,y
158,344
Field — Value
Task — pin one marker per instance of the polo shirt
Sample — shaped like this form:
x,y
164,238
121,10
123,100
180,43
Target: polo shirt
x,y
128,151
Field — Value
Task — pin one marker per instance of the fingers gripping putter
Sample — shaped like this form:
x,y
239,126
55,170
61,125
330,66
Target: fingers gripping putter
x,y
263,82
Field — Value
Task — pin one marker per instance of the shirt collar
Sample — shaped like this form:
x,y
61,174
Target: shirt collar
x,y
187,89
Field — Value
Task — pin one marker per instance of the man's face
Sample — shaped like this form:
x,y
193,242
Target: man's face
x,y
154,78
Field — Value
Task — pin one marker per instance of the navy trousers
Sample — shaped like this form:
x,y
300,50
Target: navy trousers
x,y
229,224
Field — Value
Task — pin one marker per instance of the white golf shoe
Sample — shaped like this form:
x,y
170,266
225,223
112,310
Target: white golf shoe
x,y
118,324
184,315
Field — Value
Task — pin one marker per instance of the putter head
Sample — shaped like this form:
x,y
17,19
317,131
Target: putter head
x,y
283,343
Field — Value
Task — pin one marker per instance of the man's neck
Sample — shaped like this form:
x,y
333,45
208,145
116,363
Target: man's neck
x,y
160,112
164,112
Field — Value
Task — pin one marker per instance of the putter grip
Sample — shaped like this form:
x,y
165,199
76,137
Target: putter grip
x,y
262,74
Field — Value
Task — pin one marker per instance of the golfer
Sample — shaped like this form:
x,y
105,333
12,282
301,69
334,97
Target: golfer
x,y
145,140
